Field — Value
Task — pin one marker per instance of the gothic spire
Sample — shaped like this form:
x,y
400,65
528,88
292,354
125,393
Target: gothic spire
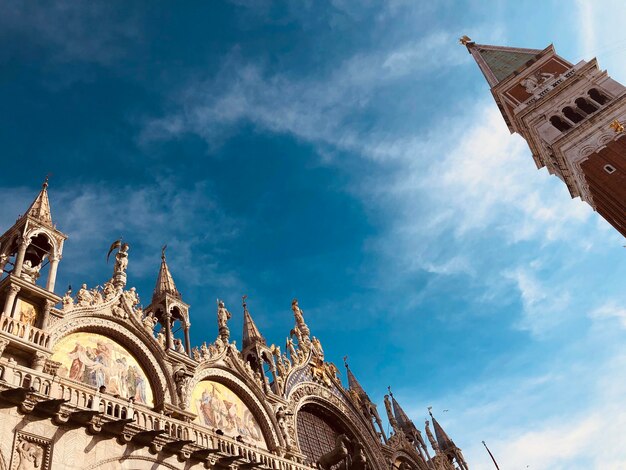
x,y
401,417
447,445
40,208
444,441
497,62
165,281
251,333
353,383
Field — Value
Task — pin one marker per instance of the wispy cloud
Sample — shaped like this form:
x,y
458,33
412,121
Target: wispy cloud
x,y
84,32
543,307
320,110
610,311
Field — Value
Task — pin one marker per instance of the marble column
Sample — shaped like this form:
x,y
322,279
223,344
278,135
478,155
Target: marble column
x,y
167,319
52,275
187,341
10,301
19,259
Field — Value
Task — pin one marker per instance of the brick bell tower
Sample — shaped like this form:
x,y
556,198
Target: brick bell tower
x,y
570,115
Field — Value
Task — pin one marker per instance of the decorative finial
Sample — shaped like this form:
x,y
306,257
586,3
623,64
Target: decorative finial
x,y
430,412
389,388
465,40
45,182
345,361
617,126
243,302
163,252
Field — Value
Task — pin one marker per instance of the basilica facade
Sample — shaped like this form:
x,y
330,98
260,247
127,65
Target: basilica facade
x,y
90,380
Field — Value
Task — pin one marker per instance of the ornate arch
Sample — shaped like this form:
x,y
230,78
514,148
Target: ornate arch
x,y
161,382
310,393
257,405
54,241
403,455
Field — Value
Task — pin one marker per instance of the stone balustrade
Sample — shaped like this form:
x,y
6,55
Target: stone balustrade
x,y
83,398
25,331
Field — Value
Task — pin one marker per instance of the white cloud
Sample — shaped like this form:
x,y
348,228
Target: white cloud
x,y
564,413
588,436
610,310
544,306
317,110
85,32
489,178
599,22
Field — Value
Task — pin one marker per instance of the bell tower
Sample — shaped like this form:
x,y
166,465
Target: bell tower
x,y
30,252
570,115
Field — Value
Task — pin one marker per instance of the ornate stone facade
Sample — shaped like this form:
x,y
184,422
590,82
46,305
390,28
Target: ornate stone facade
x,y
89,380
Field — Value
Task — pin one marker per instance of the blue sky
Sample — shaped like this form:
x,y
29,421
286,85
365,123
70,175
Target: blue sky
x,y
347,153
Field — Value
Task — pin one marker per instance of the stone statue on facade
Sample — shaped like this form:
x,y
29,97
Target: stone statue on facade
x,y
281,419
149,321
292,350
317,348
299,316
121,263
223,315
195,353
182,379
286,362
160,338
108,291
68,301
131,298
121,259
30,273
96,296
335,456
178,346
84,297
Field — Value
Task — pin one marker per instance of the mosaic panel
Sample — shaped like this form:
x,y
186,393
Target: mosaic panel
x,y
219,408
97,360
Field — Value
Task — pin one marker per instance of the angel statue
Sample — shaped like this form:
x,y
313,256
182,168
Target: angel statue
x,y
121,262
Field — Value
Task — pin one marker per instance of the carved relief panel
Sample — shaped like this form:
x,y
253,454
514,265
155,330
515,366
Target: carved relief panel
x,y
31,452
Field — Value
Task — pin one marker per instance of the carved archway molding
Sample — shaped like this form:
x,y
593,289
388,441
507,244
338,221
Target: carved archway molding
x,y
124,458
257,404
158,371
404,455
53,239
311,393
